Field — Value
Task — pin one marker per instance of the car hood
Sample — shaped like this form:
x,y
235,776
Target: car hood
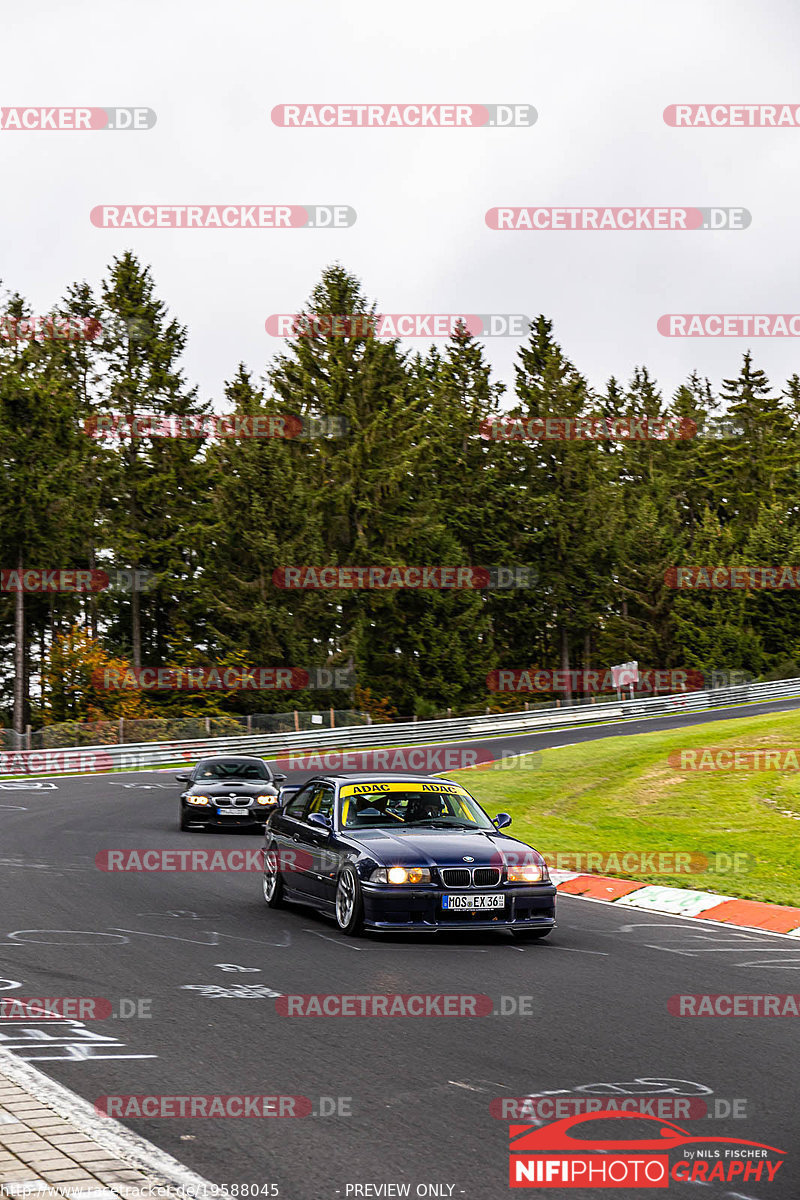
x,y
244,787
436,847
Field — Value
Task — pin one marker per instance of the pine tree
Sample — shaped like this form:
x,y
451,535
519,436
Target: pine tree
x,y
40,451
153,516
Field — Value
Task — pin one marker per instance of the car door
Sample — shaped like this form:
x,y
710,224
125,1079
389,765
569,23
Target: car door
x,y
286,827
319,844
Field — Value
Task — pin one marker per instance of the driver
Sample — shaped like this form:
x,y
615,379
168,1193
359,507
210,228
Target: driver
x,y
425,808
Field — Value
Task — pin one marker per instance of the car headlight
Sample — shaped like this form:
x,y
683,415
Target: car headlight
x,y
197,800
400,875
528,873
266,799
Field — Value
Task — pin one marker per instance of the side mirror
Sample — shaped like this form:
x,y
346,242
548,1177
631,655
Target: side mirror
x,y
278,778
321,821
501,820
183,778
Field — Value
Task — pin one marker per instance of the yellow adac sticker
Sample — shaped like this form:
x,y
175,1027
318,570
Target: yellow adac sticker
x,y
378,789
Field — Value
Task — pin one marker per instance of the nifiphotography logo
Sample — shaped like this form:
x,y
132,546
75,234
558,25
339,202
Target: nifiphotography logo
x,y
647,1154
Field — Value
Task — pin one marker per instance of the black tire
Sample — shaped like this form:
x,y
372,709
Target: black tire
x,y
349,903
531,935
272,882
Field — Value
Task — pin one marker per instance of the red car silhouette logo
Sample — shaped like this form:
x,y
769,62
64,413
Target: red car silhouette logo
x,y
558,1136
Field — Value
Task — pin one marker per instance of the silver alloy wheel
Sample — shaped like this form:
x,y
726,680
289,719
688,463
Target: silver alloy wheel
x,y
270,882
345,899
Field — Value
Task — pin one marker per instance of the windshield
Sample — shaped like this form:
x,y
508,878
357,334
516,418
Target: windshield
x,y
233,768
403,805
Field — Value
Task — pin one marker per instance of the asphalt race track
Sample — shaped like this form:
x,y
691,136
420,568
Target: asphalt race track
x,y
411,1096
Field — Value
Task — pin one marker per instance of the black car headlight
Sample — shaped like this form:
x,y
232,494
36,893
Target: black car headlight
x,y
197,800
266,799
400,875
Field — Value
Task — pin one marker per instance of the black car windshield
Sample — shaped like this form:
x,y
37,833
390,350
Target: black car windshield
x,y
398,806
232,768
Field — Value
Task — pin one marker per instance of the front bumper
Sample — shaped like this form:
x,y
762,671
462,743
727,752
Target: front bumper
x,y
387,907
208,815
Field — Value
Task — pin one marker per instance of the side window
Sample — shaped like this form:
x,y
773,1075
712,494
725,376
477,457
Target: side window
x,y
322,801
295,807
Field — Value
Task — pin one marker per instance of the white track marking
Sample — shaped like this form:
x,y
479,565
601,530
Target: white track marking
x,y
28,785
107,1132
336,941
575,950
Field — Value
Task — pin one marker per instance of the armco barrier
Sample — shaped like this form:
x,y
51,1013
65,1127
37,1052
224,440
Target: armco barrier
x,y
131,756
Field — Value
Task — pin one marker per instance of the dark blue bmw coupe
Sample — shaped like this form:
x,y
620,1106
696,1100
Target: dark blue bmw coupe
x,y
403,852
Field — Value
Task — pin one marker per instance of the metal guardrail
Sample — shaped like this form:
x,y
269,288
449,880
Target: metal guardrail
x,y
127,730
91,759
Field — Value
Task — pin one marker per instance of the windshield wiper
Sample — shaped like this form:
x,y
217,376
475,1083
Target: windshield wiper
x,y
435,825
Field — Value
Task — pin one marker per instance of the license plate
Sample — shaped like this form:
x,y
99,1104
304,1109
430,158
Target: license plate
x,y
473,902
232,812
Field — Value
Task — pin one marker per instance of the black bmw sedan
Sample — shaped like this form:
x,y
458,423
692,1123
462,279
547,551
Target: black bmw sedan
x,y
227,791
403,852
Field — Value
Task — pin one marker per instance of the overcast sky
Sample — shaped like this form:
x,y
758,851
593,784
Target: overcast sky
x,y
599,76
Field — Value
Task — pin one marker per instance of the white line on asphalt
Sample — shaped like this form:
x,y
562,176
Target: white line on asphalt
x,y
574,950
336,941
107,1132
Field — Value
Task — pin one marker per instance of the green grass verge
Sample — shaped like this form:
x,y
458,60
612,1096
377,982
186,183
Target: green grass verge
x,y
620,795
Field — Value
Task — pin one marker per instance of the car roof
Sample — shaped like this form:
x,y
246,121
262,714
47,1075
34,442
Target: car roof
x,y
380,777
212,757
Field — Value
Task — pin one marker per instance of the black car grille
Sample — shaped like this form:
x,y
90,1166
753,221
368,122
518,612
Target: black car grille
x,y
486,876
453,877
456,877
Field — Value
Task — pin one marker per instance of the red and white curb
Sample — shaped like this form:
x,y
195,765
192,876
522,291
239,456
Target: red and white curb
x,y
681,902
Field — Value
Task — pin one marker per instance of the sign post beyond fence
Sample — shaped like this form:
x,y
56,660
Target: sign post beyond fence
x,y
625,673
